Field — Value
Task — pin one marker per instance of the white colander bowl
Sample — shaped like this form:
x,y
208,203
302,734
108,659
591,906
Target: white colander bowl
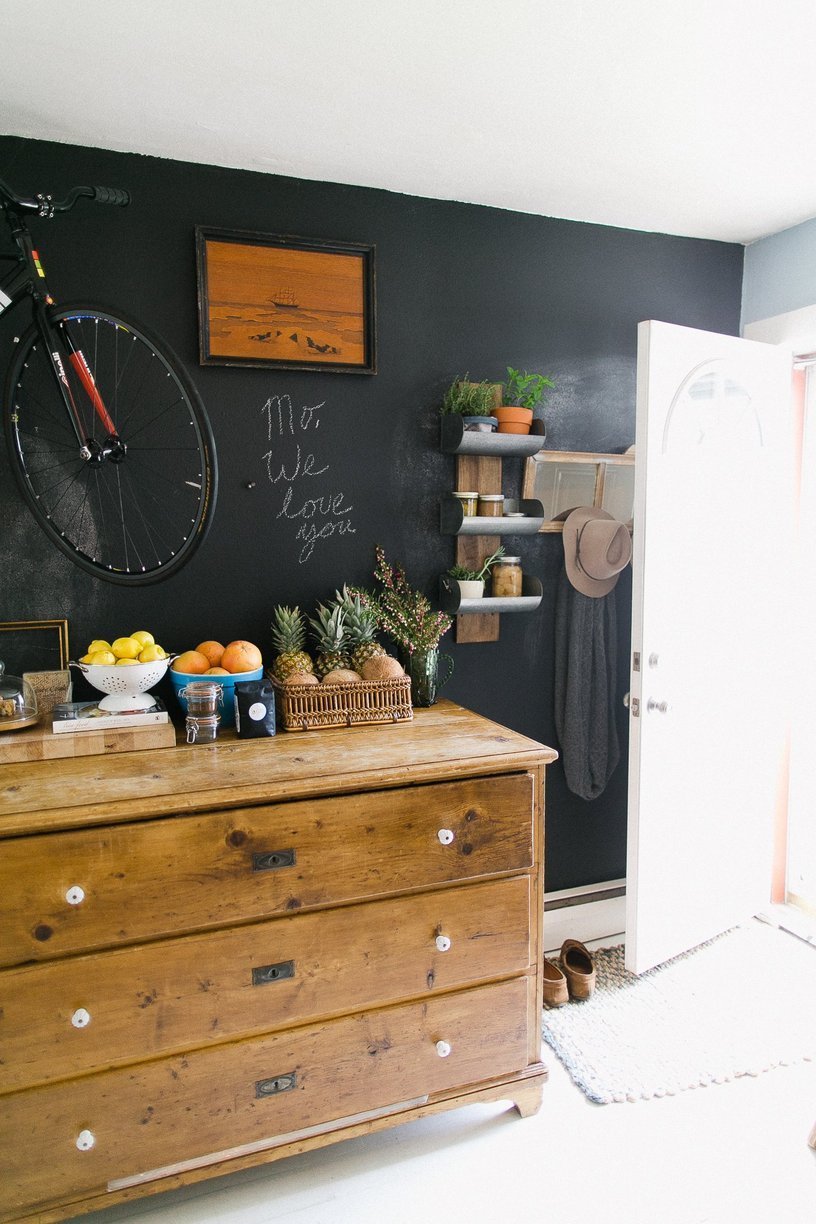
x,y
127,686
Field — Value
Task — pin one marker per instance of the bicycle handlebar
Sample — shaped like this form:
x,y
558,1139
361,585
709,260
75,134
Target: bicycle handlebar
x,y
46,207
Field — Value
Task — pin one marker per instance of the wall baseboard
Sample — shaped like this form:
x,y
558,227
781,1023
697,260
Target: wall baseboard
x,y
595,913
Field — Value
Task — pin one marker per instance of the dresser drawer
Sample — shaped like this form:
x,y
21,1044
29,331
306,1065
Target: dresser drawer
x,y
113,1008
70,892
73,1139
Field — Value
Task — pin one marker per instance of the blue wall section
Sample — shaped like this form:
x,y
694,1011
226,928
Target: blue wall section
x,y
780,273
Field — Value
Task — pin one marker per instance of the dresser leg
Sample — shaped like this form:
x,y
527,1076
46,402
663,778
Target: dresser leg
x,y
528,1100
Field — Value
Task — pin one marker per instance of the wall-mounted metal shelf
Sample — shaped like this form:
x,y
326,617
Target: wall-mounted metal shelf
x,y
453,521
451,600
456,440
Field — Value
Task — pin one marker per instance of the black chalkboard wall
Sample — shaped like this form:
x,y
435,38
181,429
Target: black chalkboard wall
x,y
459,288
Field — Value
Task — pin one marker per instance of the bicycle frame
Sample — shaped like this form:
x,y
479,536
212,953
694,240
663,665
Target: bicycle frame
x,y
28,280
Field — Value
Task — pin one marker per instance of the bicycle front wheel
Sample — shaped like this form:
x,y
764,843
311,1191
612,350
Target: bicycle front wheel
x,y
130,514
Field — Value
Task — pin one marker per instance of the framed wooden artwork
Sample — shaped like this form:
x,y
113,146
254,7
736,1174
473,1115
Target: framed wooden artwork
x,y
34,645
277,300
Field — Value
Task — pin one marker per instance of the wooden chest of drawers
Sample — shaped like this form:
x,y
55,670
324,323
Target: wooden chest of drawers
x,y
229,953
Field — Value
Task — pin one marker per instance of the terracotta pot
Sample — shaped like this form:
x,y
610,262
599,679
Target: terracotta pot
x,y
514,420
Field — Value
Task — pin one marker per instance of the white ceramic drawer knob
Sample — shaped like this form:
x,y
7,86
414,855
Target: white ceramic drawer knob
x,y
75,895
81,1018
443,1048
445,836
443,943
85,1140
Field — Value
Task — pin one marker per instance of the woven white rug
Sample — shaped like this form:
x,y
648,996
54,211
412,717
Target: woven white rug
x,y
739,1005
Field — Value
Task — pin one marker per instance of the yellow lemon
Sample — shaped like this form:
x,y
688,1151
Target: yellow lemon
x,y
126,648
126,662
97,644
86,658
102,658
142,636
152,653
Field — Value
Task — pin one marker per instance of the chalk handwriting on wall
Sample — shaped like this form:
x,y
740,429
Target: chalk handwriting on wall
x,y
291,466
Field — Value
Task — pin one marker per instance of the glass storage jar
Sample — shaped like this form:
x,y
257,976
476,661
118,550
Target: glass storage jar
x,y
506,575
491,504
470,502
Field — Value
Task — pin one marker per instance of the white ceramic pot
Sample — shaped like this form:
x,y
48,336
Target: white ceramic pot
x,y
471,588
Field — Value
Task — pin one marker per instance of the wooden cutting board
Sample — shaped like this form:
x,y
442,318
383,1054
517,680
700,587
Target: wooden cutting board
x,y
41,744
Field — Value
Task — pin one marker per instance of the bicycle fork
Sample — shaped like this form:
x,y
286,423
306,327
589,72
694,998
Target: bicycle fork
x,y
59,340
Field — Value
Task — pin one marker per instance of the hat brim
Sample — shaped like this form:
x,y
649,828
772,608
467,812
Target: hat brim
x,y
574,524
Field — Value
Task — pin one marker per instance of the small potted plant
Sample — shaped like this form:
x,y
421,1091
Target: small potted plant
x,y
472,582
521,393
474,402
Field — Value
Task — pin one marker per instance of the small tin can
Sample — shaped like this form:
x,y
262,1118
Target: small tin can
x,y
506,575
491,504
470,502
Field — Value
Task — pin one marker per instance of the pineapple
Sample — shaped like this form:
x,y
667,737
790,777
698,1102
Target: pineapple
x,y
329,632
361,625
288,635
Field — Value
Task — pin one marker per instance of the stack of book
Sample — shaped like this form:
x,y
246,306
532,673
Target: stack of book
x,y
75,716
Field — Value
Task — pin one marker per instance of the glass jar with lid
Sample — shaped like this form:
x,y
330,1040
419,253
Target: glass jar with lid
x,y
491,505
506,576
18,702
469,501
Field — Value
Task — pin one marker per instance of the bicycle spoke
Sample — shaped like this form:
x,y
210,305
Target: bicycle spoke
x,y
132,513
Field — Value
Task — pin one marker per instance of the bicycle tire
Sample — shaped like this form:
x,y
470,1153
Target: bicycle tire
x,y
137,520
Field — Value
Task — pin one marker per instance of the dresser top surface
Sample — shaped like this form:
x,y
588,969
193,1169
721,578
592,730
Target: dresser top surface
x,y
445,740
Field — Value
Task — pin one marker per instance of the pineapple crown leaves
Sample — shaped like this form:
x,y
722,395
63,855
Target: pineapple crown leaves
x,y
360,618
329,627
288,628
403,612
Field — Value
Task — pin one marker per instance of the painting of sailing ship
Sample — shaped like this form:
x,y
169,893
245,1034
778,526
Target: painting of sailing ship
x,y
290,302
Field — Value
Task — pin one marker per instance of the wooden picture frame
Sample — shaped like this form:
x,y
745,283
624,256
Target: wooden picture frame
x,y
27,646
286,302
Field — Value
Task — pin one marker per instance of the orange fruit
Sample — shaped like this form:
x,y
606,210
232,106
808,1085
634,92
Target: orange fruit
x,y
191,663
216,671
212,650
241,656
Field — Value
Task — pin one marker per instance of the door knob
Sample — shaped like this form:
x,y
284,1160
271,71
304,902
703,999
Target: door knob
x,y
659,707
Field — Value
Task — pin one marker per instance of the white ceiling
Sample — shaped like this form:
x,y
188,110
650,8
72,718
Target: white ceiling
x,y
692,117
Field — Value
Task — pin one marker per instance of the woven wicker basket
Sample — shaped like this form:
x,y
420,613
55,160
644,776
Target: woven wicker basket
x,y
307,707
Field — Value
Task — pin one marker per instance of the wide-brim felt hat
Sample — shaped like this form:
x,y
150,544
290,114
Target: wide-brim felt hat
x,y
597,548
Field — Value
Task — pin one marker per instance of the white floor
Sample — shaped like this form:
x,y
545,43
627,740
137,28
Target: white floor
x,y
729,1154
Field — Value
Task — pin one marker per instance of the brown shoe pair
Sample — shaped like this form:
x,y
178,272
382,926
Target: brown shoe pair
x,y
574,978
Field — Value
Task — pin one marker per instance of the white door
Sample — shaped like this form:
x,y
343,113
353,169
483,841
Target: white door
x,y
713,531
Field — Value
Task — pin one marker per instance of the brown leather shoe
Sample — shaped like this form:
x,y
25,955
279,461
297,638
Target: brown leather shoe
x,y
579,969
555,985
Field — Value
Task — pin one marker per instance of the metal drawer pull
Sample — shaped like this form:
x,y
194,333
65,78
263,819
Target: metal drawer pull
x,y
443,1048
443,943
81,1018
75,895
85,1140
271,860
445,836
278,1083
263,974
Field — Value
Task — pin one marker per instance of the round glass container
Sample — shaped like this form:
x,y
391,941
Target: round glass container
x,y
18,702
202,698
491,504
506,575
470,502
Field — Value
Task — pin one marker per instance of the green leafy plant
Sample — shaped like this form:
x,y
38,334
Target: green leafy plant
x,y
463,574
469,398
523,390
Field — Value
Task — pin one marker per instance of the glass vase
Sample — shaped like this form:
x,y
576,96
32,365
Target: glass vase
x,y
424,666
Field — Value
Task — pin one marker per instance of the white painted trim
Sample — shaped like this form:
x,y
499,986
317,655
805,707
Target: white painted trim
x,y
796,329
590,914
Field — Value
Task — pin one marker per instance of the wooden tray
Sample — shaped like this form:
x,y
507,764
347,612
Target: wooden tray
x,y
41,744
307,707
